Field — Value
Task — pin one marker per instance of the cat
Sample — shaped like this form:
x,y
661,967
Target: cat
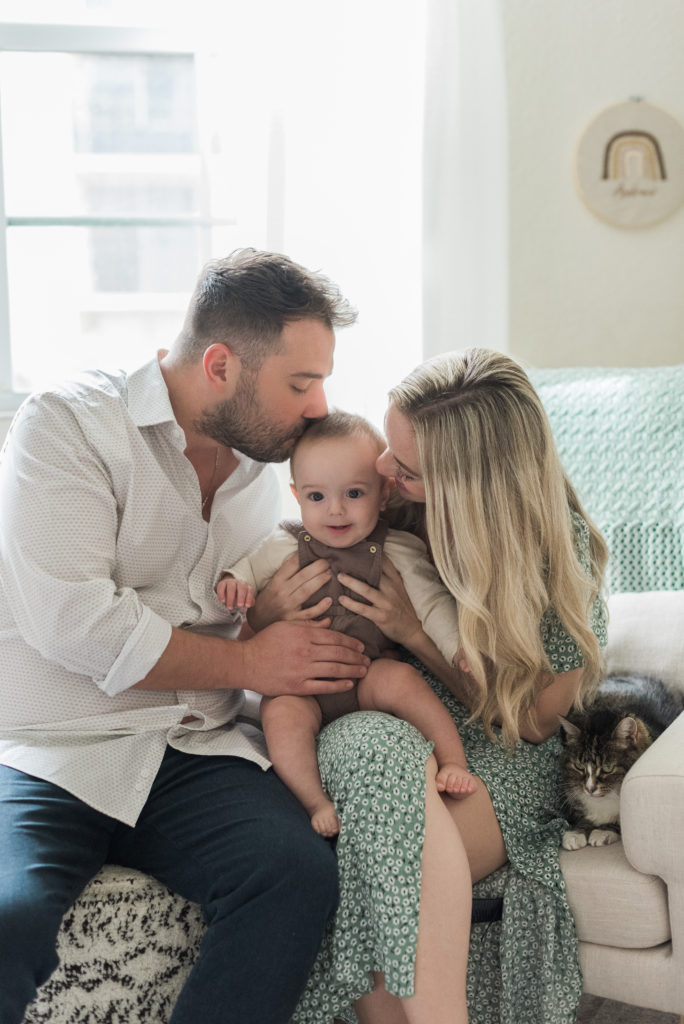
x,y
600,745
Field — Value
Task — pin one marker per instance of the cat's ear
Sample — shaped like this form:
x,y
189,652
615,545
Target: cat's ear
x,y
625,732
570,730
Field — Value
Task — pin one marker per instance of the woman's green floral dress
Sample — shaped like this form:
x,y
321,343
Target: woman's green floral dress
x,y
523,969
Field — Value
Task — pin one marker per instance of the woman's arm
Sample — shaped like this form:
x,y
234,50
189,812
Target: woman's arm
x,y
391,610
435,606
458,682
554,699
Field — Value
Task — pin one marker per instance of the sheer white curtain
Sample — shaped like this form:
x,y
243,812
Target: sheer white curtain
x,y
387,169
465,243
346,177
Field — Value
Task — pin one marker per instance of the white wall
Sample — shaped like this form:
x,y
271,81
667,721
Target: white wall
x,y
581,291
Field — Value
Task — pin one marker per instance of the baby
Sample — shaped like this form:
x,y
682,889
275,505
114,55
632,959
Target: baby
x,y
341,495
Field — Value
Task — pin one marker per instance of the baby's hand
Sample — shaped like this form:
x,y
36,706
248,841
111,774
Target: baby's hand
x,y
235,594
461,663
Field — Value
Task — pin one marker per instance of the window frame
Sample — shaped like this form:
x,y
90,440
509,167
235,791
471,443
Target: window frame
x,y
96,39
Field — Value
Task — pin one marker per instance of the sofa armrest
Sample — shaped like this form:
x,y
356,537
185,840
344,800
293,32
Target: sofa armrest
x,y
652,807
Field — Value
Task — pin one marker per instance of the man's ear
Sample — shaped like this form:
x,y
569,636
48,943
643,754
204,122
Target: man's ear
x,y
221,366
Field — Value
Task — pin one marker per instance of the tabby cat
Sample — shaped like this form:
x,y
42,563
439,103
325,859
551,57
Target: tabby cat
x,y
600,745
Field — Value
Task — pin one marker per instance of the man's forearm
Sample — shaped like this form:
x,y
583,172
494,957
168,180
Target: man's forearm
x,y
286,657
192,661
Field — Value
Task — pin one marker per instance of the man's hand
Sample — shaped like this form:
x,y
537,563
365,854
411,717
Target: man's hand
x,y
290,587
299,658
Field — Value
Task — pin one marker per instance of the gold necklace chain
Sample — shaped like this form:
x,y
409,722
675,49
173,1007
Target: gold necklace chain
x,y
213,476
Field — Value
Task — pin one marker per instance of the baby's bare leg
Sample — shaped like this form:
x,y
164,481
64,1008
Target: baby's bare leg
x,y
400,690
291,725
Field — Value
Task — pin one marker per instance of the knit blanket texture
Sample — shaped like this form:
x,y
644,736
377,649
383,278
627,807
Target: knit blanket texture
x,y
620,435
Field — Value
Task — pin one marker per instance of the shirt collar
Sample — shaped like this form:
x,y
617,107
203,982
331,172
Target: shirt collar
x,y
148,396
149,404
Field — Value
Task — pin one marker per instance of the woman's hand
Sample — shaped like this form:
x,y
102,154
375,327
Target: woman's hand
x,y
284,596
389,608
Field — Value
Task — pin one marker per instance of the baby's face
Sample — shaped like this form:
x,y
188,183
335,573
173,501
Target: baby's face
x,y
339,490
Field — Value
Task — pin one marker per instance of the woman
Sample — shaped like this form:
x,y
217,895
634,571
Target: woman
x,y
470,444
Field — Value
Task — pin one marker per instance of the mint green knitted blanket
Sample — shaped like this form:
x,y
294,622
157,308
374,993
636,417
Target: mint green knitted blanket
x,y
620,435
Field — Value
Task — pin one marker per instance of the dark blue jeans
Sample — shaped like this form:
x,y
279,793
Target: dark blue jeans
x,y
217,830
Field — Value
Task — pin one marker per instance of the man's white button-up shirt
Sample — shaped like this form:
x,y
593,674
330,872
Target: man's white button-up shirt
x,y
102,549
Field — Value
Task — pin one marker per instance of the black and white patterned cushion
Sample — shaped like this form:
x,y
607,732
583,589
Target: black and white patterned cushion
x,y
125,948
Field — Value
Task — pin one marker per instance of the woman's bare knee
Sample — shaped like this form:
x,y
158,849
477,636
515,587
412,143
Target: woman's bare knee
x,y
480,830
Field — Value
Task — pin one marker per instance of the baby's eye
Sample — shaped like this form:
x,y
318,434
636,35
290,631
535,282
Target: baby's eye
x,y
354,492
315,496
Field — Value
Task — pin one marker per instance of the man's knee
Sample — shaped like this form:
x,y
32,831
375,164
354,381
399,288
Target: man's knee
x,y
311,868
302,866
291,873
28,955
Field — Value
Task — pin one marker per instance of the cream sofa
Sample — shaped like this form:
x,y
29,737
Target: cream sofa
x,y
620,434
628,899
128,943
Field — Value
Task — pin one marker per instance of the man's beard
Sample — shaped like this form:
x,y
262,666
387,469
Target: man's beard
x,y
242,423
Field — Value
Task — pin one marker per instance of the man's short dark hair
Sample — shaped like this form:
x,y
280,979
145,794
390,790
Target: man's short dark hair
x,y
245,300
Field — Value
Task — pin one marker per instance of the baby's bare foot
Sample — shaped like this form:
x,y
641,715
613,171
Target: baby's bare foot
x,y
325,820
455,781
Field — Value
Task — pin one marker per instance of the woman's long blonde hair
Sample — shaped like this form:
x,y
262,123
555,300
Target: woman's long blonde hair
x,y
499,527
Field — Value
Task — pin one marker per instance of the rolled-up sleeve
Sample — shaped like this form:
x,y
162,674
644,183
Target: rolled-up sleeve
x,y
58,530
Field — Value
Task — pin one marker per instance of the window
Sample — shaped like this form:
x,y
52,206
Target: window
x,y
109,203
130,156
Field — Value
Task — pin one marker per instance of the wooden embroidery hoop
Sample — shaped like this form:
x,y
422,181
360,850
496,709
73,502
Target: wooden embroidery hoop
x,y
630,165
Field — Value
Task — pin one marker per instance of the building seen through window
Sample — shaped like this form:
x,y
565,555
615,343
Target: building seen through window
x,y
105,200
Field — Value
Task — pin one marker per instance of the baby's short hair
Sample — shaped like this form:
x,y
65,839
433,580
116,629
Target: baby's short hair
x,y
339,423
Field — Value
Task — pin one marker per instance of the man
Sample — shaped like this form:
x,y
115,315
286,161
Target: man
x,y
122,674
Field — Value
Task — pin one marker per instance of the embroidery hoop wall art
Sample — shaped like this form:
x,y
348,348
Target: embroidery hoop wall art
x,y
630,165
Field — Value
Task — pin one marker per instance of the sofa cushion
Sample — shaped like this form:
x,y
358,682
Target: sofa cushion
x,y
125,948
613,904
646,636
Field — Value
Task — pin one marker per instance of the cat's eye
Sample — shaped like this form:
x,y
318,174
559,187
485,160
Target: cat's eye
x,y
608,769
